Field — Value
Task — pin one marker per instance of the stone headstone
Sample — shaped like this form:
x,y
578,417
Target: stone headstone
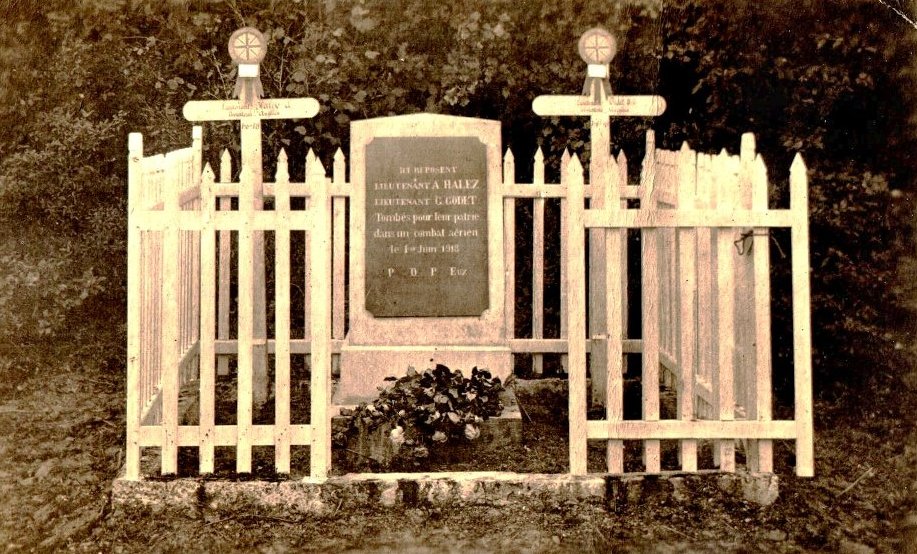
x,y
426,250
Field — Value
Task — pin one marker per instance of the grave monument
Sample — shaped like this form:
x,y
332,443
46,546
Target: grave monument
x,y
426,250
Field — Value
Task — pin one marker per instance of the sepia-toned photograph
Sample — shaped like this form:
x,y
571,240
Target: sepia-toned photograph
x,y
471,276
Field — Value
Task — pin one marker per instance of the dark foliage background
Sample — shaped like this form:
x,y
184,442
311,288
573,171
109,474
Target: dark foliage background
x,y
832,79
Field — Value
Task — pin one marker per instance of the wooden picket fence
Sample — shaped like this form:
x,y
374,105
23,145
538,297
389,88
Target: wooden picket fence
x,y
705,303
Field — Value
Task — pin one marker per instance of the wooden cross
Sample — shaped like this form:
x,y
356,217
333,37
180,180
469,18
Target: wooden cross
x,y
247,47
597,47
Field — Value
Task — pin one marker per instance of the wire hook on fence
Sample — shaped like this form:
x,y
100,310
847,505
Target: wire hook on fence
x,y
743,246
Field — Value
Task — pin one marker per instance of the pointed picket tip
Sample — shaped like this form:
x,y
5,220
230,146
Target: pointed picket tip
x,y
135,141
575,165
685,147
723,152
310,158
226,157
748,142
759,168
208,174
798,165
319,167
539,154
622,157
339,155
508,156
282,173
565,157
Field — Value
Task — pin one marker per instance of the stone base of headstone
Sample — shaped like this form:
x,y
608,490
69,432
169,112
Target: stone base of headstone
x,y
500,433
364,368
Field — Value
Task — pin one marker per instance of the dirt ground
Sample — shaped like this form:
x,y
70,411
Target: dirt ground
x,y
61,444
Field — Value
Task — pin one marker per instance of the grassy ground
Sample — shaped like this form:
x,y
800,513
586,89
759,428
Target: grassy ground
x,y
62,441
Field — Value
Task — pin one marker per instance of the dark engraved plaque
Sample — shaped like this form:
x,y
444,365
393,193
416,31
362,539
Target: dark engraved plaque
x,y
426,227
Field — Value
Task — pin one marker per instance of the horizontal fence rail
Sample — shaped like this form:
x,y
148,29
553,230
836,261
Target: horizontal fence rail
x,y
704,302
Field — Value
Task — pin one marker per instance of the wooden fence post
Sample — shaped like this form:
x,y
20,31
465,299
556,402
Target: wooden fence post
x,y
650,306
208,315
225,265
282,315
725,286
134,303
564,246
197,139
612,321
600,181
248,244
802,326
576,316
538,263
686,329
762,458
171,319
622,178
320,291
509,246
338,239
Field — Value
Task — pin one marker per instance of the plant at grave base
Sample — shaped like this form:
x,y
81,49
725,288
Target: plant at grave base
x,y
423,410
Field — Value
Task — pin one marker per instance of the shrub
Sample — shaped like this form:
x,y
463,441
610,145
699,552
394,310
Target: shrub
x,y
423,410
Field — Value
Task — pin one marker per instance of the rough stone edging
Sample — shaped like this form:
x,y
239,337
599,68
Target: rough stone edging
x,y
199,498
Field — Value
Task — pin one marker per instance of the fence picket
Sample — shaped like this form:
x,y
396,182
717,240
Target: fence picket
x,y
613,320
622,177
247,246
225,260
802,325
509,246
307,270
564,241
282,316
171,325
208,314
602,193
538,265
197,134
706,269
338,240
649,260
762,458
576,316
725,286
320,261
744,316
687,304
136,324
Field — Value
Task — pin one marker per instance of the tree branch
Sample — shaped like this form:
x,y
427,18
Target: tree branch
x,y
900,13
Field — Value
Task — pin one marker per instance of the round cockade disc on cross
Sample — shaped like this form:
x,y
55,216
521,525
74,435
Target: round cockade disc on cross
x,y
597,46
247,46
